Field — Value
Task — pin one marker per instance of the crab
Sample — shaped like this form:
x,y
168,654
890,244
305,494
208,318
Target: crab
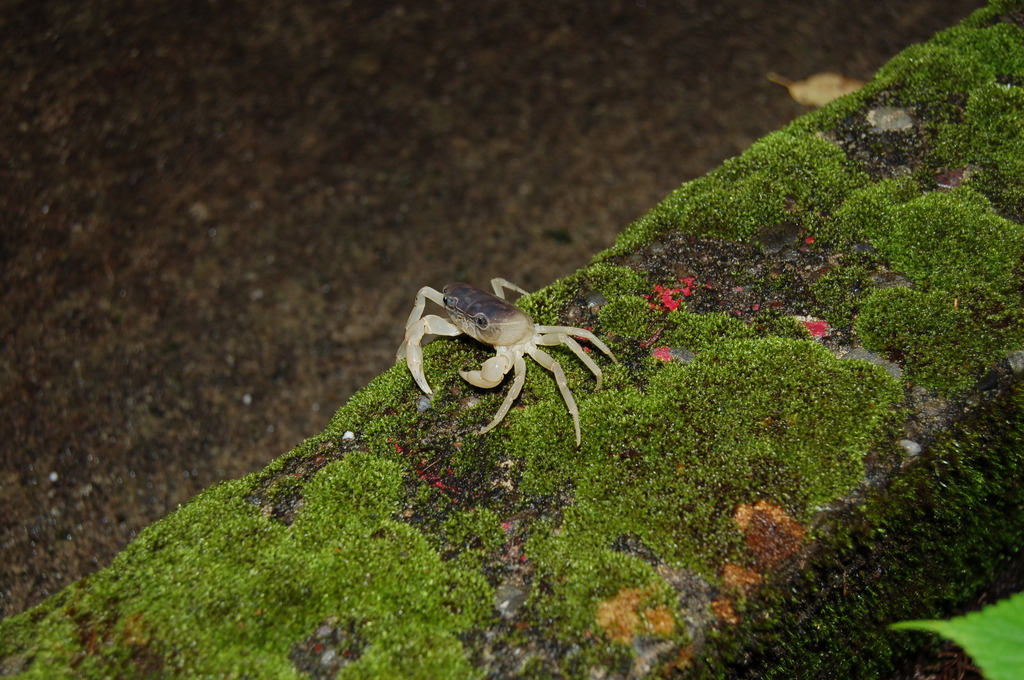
x,y
495,321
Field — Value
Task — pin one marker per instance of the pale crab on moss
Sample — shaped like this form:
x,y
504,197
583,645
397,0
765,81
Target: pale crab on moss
x,y
495,321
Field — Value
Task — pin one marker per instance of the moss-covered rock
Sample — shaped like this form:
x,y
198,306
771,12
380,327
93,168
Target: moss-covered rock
x,y
814,427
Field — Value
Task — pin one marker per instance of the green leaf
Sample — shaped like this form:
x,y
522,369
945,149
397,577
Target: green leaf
x,y
993,636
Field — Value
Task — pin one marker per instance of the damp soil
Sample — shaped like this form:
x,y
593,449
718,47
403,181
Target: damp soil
x,y
215,219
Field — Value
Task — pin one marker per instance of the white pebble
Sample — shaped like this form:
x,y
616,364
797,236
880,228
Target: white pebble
x,y
910,446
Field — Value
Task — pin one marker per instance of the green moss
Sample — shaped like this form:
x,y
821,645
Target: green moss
x,y
698,332
284,488
967,261
582,575
855,219
786,176
773,181
999,47
602,278
959,59
992,13
941,343
926,74
365,405
354,494
632,317
987,143
964,493
610,280
672,464
952,241
476,531
840,291
238,590
629,316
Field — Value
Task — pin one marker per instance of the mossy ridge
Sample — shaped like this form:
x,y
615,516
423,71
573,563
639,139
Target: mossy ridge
x,y
918,574
942,344
987,144
733,426
789,175
234,591
966,264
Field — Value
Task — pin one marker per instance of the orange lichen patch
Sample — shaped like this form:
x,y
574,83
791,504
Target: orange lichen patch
x,y
685,658
622,616
771,534
740,578
658,620
618,616
723,610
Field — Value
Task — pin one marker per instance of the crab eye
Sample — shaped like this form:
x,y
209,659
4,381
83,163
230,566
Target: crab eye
x,y
480,320
448,301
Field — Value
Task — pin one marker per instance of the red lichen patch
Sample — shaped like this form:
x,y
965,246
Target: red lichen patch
x,y
818,328
664,298
771,534
668,299
663,354
723,610
740,578
622,616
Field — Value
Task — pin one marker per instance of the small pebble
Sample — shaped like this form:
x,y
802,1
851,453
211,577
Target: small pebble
x,y
911,447
681,354
891,280
507,599
1016,360
349,435
889,119
775,237
422,403
595,301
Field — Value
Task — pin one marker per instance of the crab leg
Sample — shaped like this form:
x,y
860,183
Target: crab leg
x,y
581,333
513,392
425,293
498,283
545,360
554,339
411,349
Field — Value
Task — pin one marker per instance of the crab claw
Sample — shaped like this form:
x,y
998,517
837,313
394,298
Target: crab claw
x,y
491,373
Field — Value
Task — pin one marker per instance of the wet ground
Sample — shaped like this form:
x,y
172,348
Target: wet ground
x,y
215,218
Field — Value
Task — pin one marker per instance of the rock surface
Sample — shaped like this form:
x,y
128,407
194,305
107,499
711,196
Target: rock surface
x,y
814,428
215,217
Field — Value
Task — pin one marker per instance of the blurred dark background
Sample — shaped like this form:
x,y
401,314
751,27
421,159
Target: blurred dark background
x,y
215,216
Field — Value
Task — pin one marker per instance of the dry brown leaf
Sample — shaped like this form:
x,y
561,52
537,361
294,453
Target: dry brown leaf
x,y
819,89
